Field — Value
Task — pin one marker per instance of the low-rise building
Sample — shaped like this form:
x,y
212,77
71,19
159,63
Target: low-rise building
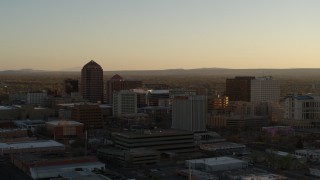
x,y
315,171
216,164
81,175
38,146
16,112
284,154
309,154
132,157
196,175
65,129
207,137
224,148
53,167
177,141
252,174
278,130
13,133
31,125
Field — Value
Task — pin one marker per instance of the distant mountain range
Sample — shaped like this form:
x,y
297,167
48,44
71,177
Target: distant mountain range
x,y
297,72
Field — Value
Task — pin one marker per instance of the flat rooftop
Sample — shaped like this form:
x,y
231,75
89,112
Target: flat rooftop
x,y
29,122
153,133
82,175
216,161
11,130
134,151
316,151
31,144
63,123
159,91
75,104
155,108
3,108
249,174
221,145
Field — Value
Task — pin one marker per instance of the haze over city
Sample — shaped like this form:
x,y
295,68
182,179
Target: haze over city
x,y
137,35
166,90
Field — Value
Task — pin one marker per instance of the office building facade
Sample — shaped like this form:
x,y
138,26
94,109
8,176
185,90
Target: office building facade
x,y
92,82
265,89
189,112
124,102
117,83
88,114
239,88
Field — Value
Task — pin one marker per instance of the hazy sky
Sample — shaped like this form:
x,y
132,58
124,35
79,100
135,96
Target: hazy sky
x,y
162,34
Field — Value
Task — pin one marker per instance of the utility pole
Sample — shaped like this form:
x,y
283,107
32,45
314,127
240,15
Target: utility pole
x,y
86,143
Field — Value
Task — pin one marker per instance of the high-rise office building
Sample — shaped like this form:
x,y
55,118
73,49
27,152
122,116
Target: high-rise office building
x,y
92,82
124,102
189,112
158,98
37,98
239,88
117,83
71,86
265,89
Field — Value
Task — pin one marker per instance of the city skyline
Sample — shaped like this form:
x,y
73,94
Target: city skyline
x,y
145,35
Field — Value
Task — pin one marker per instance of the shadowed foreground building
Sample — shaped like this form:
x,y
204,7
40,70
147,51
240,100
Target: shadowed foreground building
x,y
132,157
176,141
92,82
88,114
189,112
65,129
38,168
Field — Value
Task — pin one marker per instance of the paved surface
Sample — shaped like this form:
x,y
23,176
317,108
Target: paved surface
x,y
10,172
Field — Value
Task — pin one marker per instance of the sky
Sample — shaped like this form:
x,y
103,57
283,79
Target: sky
x,y
163,34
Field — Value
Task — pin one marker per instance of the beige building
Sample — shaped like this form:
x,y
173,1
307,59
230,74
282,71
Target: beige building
x,y
65,129
124,102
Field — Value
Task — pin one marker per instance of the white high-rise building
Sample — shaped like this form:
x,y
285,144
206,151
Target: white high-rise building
x,y
302,107
265,89
36,98
124,102
189,112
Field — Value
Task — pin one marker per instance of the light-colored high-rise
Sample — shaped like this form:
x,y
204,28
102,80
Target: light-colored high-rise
x,y
124,102
189,112
302,107
265,89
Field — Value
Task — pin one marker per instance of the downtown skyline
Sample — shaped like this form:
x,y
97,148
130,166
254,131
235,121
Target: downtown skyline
x,y
138,35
